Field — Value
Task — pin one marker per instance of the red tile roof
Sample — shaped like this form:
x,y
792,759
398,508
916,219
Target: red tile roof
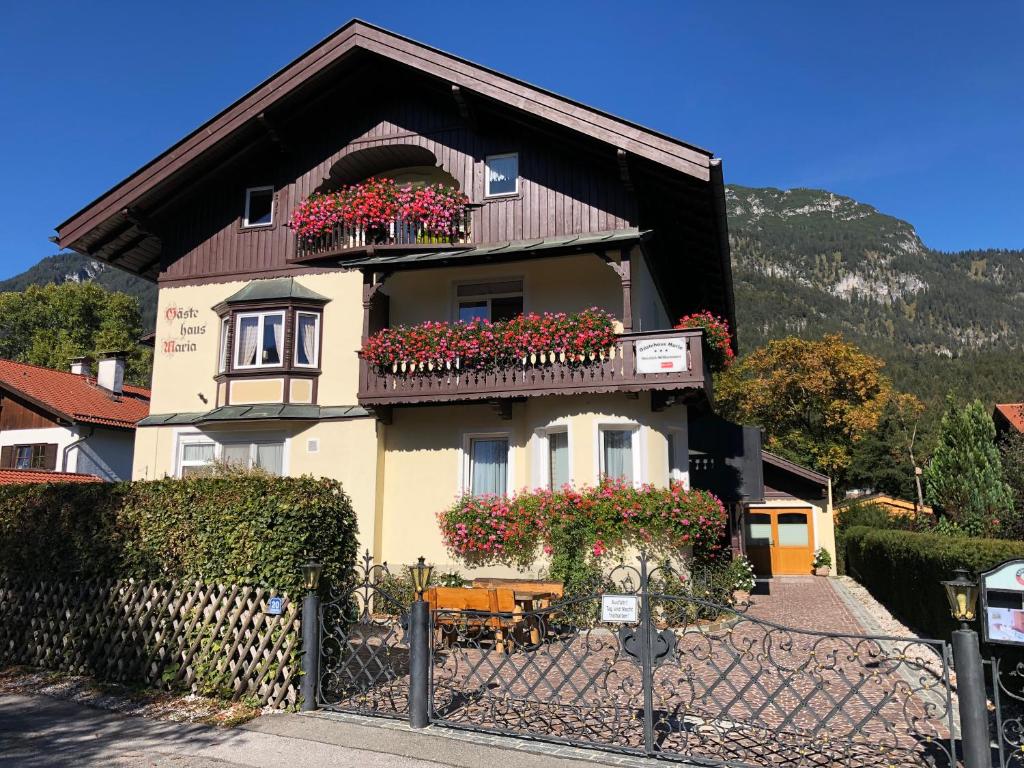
x,y
1013,413
20,476
74,397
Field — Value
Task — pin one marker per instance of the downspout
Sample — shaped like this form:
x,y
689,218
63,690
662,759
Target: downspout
x,y
73,444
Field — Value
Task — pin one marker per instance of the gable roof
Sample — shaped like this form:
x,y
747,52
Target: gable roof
x,y
1012,413
22,476
358,35
74,398
794,469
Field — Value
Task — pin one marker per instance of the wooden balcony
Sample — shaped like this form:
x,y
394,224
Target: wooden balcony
x,y
671,361
398,234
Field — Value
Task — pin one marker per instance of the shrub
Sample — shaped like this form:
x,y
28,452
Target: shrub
x,y
574,526
867,515
248,528
822,559
902,569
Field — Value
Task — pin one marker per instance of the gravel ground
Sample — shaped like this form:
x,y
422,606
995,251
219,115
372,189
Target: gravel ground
x,y
141,702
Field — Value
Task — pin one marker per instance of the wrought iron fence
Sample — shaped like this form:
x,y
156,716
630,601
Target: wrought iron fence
x,y
1007,716
694,680
364,656
687,677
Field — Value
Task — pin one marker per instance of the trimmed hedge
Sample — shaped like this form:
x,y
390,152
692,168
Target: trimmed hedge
x,y
902,569
246,528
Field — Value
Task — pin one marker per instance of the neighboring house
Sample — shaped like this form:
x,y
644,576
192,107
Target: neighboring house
x,y
69,421
895,506
795,519
258,332
28,476
1008,418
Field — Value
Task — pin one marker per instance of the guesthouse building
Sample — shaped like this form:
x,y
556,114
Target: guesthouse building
x,y
316,242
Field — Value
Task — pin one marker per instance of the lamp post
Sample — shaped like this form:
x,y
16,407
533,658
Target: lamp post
x,y
962,593
419,647
311,571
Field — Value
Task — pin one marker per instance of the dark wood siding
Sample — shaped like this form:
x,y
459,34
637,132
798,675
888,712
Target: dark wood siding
x,y
563,189
15,414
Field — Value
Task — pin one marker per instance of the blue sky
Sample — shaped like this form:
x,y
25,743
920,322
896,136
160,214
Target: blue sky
x,y
914,107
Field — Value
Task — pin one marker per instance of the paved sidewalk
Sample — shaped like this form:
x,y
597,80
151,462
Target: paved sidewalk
x,y
40,732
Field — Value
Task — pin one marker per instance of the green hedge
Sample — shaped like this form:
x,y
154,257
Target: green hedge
x,y
902,569
247,528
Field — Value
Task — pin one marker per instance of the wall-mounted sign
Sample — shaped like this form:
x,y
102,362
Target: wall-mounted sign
x,y
1002,603
667,355
275,606
620,609
183,322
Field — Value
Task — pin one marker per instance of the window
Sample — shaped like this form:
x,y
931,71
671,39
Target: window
x,y
222,360
259,207
486,472
307,339
267,456
30,457
196,458
678,466
259,340
496,300
558,459
502,174
618,453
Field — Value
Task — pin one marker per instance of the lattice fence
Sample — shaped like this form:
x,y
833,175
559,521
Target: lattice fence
x,y
210,639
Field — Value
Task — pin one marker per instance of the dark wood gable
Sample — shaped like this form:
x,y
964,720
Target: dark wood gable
x,y
16,413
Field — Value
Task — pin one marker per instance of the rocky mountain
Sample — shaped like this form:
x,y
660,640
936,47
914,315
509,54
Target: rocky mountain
x,y
808,262
72,267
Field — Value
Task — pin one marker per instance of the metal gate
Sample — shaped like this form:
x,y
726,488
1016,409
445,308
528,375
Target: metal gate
x,y
1007,717
364,653
693,680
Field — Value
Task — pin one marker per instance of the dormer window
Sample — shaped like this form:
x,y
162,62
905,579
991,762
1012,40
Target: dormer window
x,y
259,207
502,175
259,340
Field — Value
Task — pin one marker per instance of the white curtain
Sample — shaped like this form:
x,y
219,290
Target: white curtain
x,y
270,457
489,458
558,449
236,454
618,454
277,325
307,338
247,348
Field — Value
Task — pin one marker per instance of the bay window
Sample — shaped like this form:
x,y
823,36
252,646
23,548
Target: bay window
x,y
259,340
196,458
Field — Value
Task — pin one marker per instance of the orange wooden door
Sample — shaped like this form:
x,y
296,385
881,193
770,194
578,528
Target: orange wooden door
x,y
793,541
760,533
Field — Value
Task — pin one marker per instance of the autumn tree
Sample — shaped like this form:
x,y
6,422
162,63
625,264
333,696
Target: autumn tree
x,y
48,325
815,399
964,478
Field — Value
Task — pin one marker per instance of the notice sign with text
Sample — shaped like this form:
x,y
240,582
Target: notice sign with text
x,y
667,355
620,609
1002,603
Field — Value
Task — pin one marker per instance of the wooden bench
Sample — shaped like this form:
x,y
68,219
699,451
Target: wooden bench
x,y
500,602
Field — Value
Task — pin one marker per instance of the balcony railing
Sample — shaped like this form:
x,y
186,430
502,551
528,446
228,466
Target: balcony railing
x,y
659,360
397,233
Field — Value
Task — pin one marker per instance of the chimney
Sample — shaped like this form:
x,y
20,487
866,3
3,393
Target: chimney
x,y
110,372
81,366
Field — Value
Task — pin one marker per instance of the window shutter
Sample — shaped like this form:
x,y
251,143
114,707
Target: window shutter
x,y
50,456
7,456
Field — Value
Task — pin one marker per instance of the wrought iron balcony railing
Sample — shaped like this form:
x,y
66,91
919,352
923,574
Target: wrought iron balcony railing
x,y
397,233
671,360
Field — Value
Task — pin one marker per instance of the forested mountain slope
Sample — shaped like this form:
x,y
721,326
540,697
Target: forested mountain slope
x,y
808,262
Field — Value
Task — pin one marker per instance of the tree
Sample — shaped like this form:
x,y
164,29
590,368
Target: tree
x,y
48,325
1011,453
883,459
964,478
814,399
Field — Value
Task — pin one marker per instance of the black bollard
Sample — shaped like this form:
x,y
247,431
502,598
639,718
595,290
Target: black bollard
x,y
310,650
970,685
419,664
